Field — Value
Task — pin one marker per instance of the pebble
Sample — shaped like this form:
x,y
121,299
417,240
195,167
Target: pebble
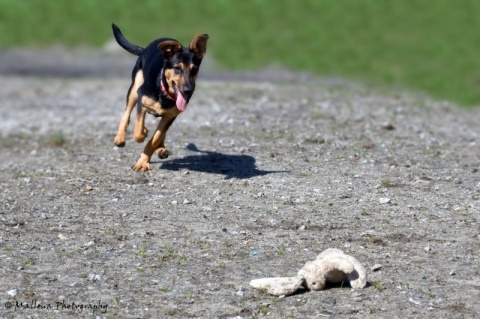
x,y
12,292
388,126
452,273
427,248
89,244
384,200
94,277
376,267
414,301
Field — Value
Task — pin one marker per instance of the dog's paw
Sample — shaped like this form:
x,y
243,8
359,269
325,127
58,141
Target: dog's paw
x,y
119,142
142,164
141,167
162,153
139,138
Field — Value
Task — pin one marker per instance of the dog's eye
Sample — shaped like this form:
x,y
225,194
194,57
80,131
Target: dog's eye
x,y
193,71
177,69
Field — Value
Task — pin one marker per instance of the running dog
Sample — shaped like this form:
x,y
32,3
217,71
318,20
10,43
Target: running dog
x,y
163,82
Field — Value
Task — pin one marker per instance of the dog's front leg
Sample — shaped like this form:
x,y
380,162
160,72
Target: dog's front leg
x,y
157,141
132,98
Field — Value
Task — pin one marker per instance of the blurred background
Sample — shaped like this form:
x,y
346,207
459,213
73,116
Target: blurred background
x,y
430,46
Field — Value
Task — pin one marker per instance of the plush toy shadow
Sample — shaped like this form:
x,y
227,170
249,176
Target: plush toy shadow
x,y
331,266
238,166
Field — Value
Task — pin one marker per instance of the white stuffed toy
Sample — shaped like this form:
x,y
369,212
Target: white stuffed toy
x,y
331,266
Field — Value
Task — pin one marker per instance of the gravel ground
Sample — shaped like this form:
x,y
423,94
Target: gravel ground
x,y
262,177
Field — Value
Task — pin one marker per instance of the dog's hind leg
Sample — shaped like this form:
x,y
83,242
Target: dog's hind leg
x,y
140,131
132,98
158,138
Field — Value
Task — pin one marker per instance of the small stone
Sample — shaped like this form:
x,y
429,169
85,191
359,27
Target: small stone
x,y
174,202
88,188
414,301
12,292
388,126
376,267
384,200
62,237
94,277
186,201
427,248
302,227
452,273
240,293
89,244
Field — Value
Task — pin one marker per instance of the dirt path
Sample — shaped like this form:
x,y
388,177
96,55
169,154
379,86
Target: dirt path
x,y
262,178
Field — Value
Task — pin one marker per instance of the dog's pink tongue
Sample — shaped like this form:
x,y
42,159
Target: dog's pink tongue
x,y
181,102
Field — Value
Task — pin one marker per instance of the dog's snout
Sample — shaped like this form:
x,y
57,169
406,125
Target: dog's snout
x,y
187,90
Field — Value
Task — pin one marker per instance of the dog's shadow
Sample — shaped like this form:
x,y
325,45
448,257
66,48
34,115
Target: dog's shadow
x,y
232,166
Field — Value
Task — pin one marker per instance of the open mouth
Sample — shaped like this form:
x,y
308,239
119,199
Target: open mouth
x,y
180,99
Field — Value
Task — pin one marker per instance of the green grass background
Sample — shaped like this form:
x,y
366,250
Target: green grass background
x,y
431,46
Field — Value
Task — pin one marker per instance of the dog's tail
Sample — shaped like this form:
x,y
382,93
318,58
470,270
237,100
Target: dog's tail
x,y
132,48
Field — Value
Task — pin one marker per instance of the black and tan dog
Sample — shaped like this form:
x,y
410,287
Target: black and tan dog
x,y
163,81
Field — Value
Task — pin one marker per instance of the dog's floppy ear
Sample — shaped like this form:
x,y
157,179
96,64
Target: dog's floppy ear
x,y
199,45
169,48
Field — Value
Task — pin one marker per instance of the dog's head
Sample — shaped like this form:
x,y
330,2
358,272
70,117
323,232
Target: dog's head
x,y
181,67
